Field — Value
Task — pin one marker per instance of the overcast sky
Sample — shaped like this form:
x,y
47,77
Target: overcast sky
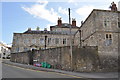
x,y
18,16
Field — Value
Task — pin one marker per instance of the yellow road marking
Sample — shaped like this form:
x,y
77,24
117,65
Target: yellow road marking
x,y
68,75
43,71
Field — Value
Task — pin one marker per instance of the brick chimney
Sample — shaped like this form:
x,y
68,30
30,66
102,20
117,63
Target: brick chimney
x,y
113,7
73,22
59,22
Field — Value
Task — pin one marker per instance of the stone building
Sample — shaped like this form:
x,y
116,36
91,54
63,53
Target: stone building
x,y
64,27
58,36
102,29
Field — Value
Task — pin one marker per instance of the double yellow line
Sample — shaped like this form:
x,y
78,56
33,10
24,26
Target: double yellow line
x,y
43,71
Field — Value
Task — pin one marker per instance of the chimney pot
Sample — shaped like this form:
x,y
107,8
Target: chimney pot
x,y
59,22
73,22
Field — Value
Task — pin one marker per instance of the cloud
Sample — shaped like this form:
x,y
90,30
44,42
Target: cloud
x,y
71,1
44,3
76,2
39,10
84,11
63,10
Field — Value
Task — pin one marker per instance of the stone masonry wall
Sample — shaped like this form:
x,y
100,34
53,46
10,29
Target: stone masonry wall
x,y
83,59
23,42
86,59
21,57
55,56
119,43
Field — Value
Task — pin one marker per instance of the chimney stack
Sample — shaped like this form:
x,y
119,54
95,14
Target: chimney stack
x,y
45,29
113,7
73,22
59,22
29,29
37,28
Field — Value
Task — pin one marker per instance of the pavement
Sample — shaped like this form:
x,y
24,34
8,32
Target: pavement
x,y
80,74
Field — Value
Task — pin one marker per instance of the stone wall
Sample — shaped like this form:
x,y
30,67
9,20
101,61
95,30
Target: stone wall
x,y
119,42
55,56
119,50
85,59
21,57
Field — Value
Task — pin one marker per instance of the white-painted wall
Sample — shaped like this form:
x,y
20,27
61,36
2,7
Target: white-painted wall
x,y
4,49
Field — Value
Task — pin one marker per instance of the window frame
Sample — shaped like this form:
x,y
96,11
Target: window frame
x,y
56,40
108,39
64,41
42,41
49,40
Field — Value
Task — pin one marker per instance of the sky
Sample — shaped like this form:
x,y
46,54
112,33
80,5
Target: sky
x,y
18,16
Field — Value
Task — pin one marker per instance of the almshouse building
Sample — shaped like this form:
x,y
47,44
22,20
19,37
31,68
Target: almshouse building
x,y
58,36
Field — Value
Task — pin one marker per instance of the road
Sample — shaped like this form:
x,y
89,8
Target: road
x,y
16,70
9,71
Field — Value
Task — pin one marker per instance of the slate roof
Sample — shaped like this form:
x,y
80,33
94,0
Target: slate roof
x,y
41,32
64,25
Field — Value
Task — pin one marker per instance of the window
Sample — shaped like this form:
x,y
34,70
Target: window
x,y
64,41
56,41
53,41
72,41
110,36
41,41
119,24
2,49
25,49
3,53
107,22
108,40
17,41
106,36
17,49
26,41
33,41
49,41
